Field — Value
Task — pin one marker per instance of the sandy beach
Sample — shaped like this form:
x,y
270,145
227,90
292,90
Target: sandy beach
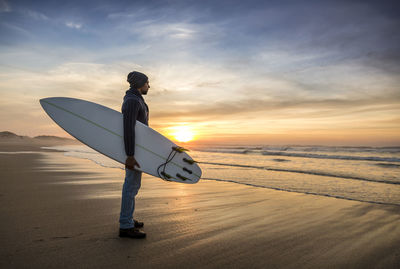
x,y
62,212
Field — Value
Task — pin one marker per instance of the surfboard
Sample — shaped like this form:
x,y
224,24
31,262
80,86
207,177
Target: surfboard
x,y
101,128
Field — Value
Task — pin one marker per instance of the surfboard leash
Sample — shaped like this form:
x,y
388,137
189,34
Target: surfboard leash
x,y
162,174
171,155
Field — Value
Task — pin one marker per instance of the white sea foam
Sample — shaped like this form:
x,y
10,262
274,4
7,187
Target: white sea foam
x,y
84,152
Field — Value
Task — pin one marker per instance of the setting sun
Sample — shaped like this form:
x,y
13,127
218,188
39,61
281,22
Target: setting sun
x,y
183,133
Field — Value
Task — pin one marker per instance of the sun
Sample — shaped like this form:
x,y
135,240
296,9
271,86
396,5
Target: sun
x,y
183,133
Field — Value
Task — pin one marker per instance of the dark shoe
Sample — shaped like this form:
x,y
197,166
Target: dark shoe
x,y
138,224
132,233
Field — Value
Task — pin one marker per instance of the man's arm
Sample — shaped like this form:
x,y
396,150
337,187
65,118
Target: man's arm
x,y
130,112
131,162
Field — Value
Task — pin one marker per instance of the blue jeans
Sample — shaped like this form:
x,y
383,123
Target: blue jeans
x,y
131,187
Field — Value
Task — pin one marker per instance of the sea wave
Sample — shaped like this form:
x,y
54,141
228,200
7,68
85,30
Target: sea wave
x,y
304,192
96,158
69,148
388,165
327,156
226,150
336,153
298,148
315,173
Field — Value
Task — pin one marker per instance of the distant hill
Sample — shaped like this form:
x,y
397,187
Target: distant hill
x,y
9,136
51,137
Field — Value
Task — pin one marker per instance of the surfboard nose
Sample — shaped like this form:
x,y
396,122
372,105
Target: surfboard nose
x,y
41,101
44,101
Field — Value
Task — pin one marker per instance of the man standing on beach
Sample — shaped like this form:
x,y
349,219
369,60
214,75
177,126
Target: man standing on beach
x,y
133,108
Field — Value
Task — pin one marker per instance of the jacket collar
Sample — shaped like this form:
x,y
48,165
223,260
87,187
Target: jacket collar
x,y
134,92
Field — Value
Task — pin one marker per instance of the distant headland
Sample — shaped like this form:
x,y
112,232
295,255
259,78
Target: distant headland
x,y
10,141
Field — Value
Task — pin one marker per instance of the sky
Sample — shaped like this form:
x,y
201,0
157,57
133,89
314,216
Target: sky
x,y
234,72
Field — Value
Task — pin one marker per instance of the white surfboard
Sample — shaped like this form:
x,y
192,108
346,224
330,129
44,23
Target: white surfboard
x,y
101,128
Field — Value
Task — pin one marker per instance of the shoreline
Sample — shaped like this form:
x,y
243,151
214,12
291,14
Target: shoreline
x,y
68,216
336,196
40,149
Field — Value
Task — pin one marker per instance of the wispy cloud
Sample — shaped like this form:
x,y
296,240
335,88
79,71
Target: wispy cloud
x,y
276,109
35,15
73,25
15,29
4,6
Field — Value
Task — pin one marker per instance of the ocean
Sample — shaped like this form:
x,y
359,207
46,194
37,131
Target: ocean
x,y
366,174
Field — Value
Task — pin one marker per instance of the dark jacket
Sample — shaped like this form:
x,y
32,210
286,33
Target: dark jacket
x,y
133,108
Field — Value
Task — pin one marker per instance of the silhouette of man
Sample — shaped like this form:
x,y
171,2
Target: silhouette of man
x,y
133,108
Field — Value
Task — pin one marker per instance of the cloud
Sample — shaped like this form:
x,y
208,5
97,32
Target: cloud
x,y
14,29
278,109
162,32
35,15
166,30
240,65
73,25
4,6
200,93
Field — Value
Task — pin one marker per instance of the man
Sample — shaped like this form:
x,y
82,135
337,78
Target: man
x,y
133,108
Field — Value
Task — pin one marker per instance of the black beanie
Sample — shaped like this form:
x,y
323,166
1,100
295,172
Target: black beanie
x,y
137,79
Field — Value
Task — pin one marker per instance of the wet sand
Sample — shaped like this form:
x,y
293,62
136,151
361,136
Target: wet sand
x,y
62,212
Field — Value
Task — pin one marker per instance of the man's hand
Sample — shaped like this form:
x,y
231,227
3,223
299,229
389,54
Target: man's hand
x,y
131,162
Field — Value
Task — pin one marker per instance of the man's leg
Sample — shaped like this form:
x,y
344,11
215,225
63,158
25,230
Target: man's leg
x,y
131,187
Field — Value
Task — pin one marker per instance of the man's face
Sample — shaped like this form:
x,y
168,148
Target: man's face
x,y
145,88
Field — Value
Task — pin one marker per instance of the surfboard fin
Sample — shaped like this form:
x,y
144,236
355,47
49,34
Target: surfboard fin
x,y
187,170
179,149
165,175
182,177
189,161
